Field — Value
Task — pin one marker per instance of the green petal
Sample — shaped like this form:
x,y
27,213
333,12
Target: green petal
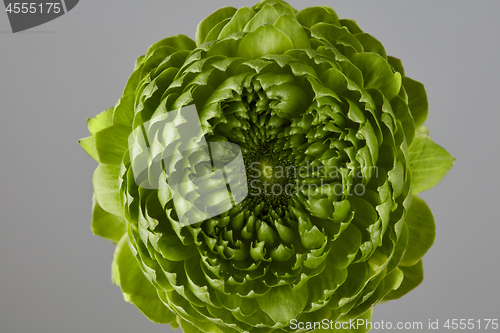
x,y
397,65
264,40
312,15
421,231
179,42
101,121
377,73
98,123
162,49
403,114
171,247
88,144
417,100
111,143
107,225
284,303
294,30
346,246
322,287
238,22
207,24
136,288
413,276
351,25
216,30
267,15
371,44
429,162
107,188
124,109
337,35
187,327
281,6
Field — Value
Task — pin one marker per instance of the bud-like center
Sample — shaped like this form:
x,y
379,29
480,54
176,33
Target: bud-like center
x,y
270,179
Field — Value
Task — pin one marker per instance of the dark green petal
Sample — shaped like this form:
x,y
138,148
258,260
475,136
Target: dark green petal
x,y
417,100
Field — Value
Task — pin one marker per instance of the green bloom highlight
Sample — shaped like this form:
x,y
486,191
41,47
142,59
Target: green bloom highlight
x,y
335,153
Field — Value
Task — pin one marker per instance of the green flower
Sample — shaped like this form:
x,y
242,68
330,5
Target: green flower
x,y
339,231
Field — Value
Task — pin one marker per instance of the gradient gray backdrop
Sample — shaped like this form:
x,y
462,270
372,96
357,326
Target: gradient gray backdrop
x,y
55,275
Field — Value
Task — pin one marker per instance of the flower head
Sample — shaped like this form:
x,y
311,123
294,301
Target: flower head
x,y
315,214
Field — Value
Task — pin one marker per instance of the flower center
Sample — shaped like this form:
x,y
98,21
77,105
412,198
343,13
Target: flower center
x,y
269,178
271,172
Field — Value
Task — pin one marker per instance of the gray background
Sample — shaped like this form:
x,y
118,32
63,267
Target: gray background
x,y
55,275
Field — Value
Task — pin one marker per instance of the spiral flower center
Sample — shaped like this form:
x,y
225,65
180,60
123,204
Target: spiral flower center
x,y
267,169
270,179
